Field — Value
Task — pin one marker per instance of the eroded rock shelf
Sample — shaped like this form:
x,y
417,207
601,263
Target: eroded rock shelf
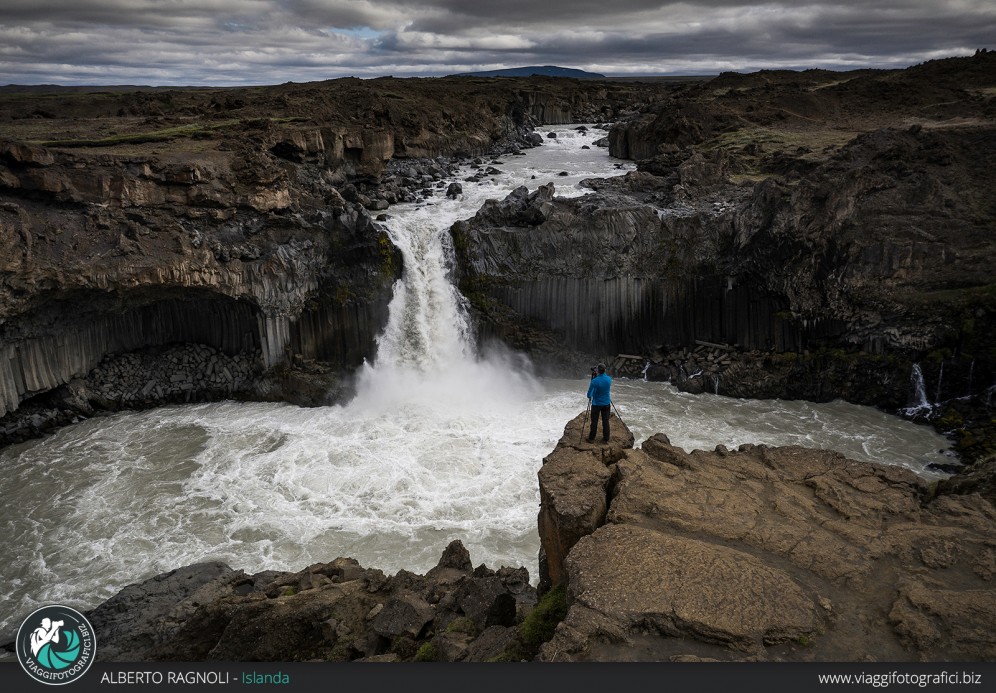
x,y
760,554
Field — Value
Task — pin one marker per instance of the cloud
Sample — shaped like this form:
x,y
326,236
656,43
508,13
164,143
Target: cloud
x,y
269,41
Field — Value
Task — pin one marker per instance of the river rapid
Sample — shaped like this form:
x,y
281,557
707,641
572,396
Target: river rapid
x,y
441,442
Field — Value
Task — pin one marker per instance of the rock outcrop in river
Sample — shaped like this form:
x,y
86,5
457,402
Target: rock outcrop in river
x,y
760,554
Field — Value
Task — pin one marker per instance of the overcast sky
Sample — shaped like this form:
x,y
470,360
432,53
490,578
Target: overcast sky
x,y
232,42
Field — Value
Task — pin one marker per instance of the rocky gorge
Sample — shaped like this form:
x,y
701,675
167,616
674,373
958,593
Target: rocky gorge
x,y
820,235
825,232
806,235
238,220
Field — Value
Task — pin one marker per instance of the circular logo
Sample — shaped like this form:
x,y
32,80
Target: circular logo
x,y
56,645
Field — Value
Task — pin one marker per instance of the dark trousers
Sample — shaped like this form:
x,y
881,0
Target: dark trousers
x,y
596,410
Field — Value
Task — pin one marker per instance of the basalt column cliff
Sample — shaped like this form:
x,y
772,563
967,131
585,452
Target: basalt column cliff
x,y
173,245
805,235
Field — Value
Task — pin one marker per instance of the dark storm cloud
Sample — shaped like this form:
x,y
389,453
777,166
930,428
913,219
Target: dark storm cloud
x,y
268,41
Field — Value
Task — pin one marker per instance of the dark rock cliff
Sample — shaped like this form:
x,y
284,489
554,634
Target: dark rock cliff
x,y
238,220
818,234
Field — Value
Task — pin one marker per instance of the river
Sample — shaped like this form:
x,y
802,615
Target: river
x,y
441,442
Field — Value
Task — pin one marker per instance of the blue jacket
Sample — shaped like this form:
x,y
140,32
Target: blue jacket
x,y
598,390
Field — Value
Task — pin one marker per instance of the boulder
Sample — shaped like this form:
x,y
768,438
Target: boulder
x,y
685,588
455,557
404,614
451,647
142,616
453,190
486,601
491,644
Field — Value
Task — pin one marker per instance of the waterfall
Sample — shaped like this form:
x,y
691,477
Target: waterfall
x,y
428,326
920,404
715,384
940,378
427,356
646,367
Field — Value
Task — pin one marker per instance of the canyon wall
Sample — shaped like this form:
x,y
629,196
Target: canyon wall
x,y
820,233
241,220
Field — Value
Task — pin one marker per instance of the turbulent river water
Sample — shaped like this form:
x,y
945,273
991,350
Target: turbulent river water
x,y
441,442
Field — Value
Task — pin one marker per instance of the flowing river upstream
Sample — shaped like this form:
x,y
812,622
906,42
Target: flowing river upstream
x,y
441,442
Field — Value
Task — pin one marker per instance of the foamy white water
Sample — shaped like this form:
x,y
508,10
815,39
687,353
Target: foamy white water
x,y
439,444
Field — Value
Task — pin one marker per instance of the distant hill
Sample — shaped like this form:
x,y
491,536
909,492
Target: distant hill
x,y
542,70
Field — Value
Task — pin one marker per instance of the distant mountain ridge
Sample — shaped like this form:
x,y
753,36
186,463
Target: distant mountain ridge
x,y
541,70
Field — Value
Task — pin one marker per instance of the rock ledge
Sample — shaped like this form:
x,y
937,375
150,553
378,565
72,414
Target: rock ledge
x,y
761,554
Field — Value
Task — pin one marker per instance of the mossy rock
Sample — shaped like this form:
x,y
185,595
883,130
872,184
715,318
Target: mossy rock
x,y
462,625
512,653
427,653
404,647
539,625
341,652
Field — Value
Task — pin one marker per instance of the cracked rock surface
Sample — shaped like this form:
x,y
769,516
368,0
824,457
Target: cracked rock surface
x,y
761,554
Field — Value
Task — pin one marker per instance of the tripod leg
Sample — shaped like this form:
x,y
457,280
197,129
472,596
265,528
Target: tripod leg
x,y
585,422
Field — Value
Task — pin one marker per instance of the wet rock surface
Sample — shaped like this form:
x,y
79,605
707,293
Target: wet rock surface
x,y
770,554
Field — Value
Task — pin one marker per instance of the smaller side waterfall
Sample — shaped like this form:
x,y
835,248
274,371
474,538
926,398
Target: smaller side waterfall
x,y
920,405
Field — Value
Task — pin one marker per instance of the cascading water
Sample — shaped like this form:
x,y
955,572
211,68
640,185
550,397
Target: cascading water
x,y
920,404
441,442
427,325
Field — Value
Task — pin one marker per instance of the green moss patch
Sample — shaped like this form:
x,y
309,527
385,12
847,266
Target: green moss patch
x,y
542,621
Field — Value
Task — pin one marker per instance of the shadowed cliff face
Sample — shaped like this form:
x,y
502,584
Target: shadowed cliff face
x,y
237,219
106,255
826,230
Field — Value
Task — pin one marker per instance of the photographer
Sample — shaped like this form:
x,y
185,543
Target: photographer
x,y
601,402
